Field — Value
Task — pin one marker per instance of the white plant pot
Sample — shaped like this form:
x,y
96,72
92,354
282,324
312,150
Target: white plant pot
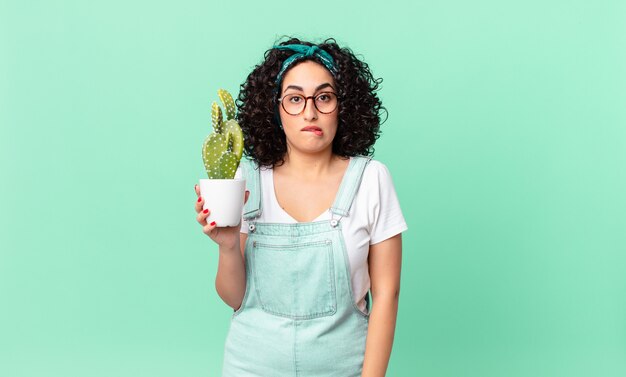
x,y
224,198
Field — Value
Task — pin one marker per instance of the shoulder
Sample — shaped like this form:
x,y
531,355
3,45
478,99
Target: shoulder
x,y
378,195
376,171
376,165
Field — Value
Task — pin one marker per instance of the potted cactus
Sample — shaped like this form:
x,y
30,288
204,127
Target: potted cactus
x,y
221,152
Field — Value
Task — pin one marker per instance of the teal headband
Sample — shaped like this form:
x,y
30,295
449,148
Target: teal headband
x,y
303,51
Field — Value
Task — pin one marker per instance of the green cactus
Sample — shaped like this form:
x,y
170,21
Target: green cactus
x,y
222,149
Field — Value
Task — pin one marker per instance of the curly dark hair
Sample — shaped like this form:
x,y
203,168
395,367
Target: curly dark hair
x,y
359,115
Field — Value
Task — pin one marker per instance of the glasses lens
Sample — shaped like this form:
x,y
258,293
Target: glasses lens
x,y
326,102
294,104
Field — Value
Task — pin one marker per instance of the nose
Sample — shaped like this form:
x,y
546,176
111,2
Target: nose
x,y
310,112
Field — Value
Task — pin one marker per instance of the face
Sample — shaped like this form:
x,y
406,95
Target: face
x,y
311,131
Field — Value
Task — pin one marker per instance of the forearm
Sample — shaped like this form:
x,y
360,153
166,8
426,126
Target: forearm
x,y
381,329
230,281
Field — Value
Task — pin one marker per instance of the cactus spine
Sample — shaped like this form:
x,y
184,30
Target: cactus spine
x,y
222,149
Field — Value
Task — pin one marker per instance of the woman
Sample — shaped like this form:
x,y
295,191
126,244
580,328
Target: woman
x,y
321,226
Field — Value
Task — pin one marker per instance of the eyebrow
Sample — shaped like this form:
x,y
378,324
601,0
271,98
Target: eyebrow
x,y
325,85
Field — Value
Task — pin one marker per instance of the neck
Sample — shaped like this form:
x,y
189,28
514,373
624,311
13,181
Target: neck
x,y
308,165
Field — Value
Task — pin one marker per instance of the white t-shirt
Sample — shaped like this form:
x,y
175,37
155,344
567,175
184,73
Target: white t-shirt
x,y
375,216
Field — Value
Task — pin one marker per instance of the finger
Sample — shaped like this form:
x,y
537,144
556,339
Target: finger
x,y
202,215
199,204
197,188
247,194
209,228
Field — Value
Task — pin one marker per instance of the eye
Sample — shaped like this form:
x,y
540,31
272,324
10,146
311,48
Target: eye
x,y
294,98
324,97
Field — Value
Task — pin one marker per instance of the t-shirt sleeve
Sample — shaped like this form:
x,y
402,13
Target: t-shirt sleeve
x,y
385,212
244,223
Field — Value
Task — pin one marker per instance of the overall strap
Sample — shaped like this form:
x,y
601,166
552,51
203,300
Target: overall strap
x,y
252,174
350,185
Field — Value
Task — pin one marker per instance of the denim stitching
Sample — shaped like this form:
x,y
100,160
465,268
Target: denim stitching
x,y
248,272
349,277
329,311
295,348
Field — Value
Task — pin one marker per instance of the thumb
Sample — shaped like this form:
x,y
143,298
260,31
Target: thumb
x,y
245,200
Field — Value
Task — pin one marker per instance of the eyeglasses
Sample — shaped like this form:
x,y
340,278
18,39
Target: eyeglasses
x,y
294,104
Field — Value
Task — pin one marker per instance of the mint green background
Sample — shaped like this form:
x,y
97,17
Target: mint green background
x,y
506,140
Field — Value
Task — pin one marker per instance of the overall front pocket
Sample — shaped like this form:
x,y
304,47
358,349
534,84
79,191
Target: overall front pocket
x,y
296,281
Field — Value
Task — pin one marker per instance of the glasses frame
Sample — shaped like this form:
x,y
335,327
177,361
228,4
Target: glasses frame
x,y
306,102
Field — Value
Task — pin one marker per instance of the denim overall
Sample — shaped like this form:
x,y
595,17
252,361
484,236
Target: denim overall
x,y
298,316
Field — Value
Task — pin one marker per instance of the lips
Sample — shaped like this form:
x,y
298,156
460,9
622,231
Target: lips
x,y
314,129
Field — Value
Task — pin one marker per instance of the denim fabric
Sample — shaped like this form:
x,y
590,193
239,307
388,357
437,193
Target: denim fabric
x,y
298,316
